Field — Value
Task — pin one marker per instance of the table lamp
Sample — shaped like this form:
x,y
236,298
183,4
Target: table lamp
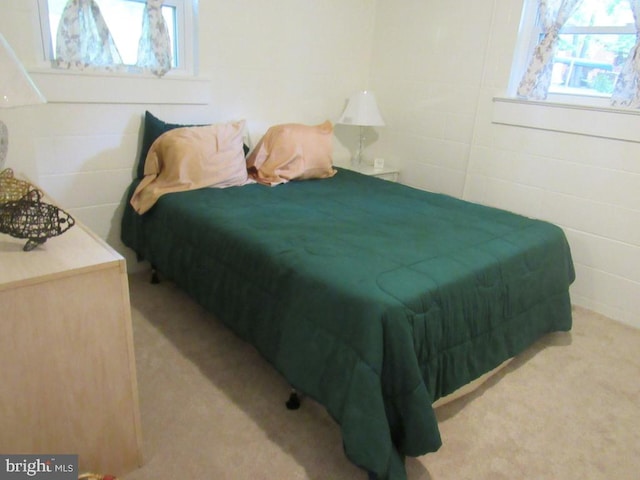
x,y
362,111
23,213
16,90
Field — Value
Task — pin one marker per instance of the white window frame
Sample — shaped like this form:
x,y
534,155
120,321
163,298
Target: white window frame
x,y
574,114
186,38
179,86
528,37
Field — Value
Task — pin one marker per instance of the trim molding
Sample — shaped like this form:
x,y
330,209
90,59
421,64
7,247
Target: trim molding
x,y
611,123
67,87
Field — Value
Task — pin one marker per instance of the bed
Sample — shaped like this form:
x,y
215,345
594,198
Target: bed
x,y
373,298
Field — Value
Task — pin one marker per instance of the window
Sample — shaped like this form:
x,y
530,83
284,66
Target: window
x,y
590,52
124,19
593,46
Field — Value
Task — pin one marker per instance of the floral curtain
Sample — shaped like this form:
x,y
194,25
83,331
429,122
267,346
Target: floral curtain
x,y
83,38
154,48
554,14
626,92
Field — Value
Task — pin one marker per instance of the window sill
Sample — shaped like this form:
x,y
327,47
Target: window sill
x,y
63,86
594,121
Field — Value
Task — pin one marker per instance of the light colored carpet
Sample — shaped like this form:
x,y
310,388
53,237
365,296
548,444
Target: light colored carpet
x,y
212,408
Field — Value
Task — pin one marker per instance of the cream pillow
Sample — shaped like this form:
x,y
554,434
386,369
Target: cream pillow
x,y
293,152
188,158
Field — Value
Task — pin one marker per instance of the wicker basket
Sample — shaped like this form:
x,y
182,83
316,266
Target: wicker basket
x,y
12,189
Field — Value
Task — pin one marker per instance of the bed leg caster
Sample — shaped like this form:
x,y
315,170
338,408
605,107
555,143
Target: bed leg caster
x,y
155,279
294,401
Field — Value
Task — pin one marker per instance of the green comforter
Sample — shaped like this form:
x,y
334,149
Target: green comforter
x,y
372,297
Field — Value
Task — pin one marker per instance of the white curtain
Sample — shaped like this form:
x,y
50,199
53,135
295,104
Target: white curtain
x,y
553,14
154,47
84,40
626,92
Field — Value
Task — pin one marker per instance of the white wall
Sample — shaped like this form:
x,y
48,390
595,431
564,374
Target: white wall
x,y
436,67
268,62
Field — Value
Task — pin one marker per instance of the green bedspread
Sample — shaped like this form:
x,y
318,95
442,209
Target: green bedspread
x,y
372,297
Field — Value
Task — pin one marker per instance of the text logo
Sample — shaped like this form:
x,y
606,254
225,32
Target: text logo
x,y
38,467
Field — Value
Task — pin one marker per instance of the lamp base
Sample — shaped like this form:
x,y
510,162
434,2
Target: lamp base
x,y
356,160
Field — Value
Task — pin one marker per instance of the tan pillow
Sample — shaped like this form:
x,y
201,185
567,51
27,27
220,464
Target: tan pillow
x,y
293,152
189,158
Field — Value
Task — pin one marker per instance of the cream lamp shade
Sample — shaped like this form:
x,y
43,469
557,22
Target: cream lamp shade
x,y
362,111
16,89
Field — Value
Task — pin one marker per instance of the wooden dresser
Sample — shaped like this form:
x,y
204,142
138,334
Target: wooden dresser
x,y
67,365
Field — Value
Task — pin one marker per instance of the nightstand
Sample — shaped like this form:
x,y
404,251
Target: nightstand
x,y
386,173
